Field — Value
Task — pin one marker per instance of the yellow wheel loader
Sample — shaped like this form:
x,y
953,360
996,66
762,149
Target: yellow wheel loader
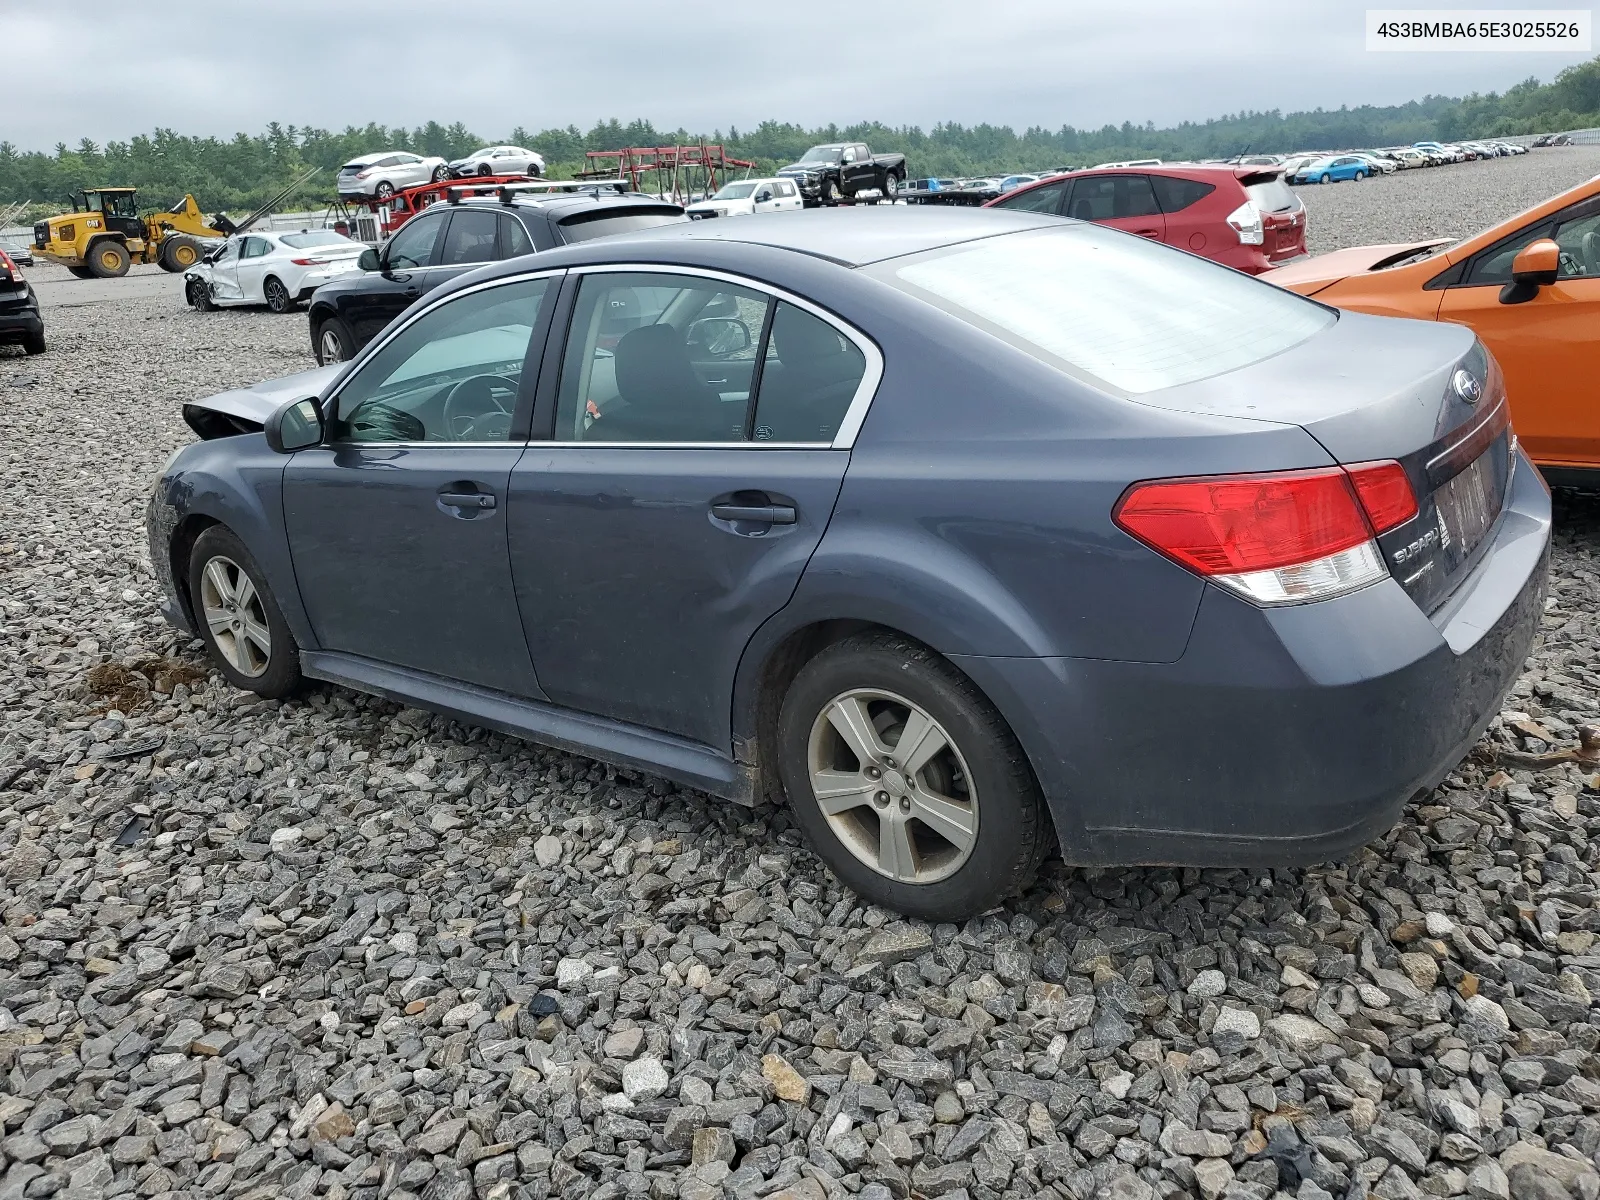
x,y
104,234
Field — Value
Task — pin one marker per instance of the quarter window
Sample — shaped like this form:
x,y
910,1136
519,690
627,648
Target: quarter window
x,y
517,241
452,375
471,237
1175,195
413,245
809,376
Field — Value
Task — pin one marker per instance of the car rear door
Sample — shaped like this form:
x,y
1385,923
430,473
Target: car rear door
x,y
1122,200
397,524
1189,224
664,519
1548,345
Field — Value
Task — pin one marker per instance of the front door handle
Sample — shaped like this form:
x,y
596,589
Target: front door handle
x,y
761,514
464,505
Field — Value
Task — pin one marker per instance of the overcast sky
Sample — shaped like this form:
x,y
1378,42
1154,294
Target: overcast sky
x,y
701,64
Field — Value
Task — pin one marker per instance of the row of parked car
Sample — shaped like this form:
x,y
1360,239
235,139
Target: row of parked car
x,y
824,507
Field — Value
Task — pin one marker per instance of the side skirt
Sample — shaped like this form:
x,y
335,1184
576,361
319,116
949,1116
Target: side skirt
x,y
677,759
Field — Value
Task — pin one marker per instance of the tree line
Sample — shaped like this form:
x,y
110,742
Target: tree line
x,y
242,172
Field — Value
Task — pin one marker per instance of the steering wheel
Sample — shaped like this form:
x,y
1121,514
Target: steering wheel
x,y
472,410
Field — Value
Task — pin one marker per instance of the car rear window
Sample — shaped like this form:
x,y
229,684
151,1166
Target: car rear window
x,y
318,237
1130,314
582,227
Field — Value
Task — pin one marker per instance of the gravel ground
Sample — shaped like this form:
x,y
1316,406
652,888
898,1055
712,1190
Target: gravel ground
x,y
1451,201
336,947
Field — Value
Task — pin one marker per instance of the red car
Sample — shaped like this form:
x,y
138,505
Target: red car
x,y
1241,216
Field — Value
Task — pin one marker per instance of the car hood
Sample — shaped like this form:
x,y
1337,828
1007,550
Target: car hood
x,y
1313,274
245,410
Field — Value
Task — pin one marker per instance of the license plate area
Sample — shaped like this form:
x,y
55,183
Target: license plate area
x,y
1467,506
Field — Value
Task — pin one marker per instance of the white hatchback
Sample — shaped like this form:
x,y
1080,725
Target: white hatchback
x,y
748,196
279,270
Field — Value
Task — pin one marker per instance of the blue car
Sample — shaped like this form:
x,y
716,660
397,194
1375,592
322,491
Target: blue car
x,y
1333,170
968,533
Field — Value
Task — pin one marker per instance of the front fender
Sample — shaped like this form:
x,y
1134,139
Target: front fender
x,y
238,482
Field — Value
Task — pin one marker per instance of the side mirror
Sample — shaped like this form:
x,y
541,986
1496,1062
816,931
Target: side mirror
x,y
368,260
296,425
1536,265
719,337
763,196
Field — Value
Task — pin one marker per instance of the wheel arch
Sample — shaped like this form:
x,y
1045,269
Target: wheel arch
x,y
180,549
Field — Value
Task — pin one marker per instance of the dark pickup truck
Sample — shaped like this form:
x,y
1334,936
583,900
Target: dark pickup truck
x,y
844,170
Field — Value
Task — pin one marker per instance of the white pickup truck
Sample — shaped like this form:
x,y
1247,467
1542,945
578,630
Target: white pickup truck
x,y
748,196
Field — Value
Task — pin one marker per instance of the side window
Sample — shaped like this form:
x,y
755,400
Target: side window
x,y
470,238
256,247
1175,195
450,376
1045,199
659,358
808,379
413,245
514,238
1493,266
849,154
1108,197
1578,235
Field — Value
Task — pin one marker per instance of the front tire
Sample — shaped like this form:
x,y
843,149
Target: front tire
x,y
1326,178
941,829
198,293
825,194
333,342
238,619
1360,175
108,260
278,298
33,344
440,174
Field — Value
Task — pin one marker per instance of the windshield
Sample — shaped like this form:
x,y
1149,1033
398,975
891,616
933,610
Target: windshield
x,y
735,191
316,237
822,154
1133,315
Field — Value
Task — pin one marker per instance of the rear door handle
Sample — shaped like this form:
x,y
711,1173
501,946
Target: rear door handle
x,y
762,514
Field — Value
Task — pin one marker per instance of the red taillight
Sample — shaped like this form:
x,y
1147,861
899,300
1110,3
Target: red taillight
x,y
310,262
1385,492
7,265
1277,537
1229,524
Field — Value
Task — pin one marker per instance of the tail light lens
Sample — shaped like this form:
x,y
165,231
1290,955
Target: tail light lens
x,y
1246,222
7,267
310,262
1279,538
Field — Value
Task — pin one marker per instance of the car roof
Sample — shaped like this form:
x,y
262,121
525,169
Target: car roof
x,y
563,204
849,237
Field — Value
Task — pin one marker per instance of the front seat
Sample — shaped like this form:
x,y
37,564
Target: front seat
x,y
1083,211
666,400
1591,253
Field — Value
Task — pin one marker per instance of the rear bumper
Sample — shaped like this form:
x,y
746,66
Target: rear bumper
x,y
18,323
1283,735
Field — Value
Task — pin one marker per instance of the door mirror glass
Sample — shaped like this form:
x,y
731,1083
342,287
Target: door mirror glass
x,y
368,260
719,337
295,426
763,196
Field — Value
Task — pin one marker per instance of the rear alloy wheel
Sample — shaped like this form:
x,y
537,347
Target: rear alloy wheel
x,y
1326,178
907,782
108,260
334,343
238,618
891,187
198,293
278,298
384,191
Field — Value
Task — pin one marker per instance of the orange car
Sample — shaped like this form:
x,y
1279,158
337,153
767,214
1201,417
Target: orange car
x,y
1529,287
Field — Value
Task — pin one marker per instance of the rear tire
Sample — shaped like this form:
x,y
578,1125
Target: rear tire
x,y
108,260
333,342
33,344
891,187
179,254
198,293
384,191
884,838
278,298
238,619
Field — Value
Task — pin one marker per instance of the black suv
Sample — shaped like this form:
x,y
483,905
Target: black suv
x,y
459,235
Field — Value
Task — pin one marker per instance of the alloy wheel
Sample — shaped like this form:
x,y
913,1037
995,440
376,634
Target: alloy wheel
x,y
893,786
236,616
332,349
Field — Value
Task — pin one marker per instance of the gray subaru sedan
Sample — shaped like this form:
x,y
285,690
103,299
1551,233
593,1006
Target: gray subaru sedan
x,y
968,533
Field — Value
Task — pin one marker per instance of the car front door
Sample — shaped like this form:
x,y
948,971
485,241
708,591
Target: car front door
x,y
668,516
1122,201
397,525
763,200
1547,346
225,271
406,263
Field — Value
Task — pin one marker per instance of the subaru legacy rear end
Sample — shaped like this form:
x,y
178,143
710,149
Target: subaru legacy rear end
x,y
1270,568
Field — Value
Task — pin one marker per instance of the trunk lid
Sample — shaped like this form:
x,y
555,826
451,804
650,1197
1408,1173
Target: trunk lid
x,y
1371,388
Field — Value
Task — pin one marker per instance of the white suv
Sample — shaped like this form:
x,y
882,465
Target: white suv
x,y
387,172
